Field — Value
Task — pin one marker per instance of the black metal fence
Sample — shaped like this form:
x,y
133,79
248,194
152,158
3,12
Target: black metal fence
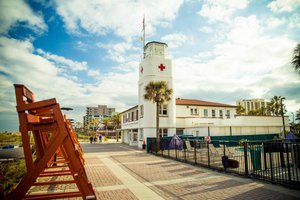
x,y
276,162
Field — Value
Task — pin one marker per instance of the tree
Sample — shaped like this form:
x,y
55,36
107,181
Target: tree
x,y
274,106
159,93
79,128
106,122
296,58
116,120
260,112
240,110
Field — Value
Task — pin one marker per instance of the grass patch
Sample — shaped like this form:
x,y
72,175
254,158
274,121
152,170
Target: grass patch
x,y
13,172
8,138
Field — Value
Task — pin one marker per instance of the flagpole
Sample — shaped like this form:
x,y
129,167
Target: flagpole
x,y
144,30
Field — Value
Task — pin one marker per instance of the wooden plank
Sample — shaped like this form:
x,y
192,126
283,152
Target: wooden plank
x,y
36,105
53,183
53,196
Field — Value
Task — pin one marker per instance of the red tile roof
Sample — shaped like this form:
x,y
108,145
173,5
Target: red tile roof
x,y
194,102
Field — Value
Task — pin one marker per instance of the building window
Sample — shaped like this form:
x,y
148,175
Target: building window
x,y
132,116
194,111
141,134
213,113
205,113
163,109
221,113
228,114
142,110
179,131
163,132
137,115
135,135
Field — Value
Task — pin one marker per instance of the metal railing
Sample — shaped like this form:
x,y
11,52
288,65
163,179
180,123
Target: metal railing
x,y
276,162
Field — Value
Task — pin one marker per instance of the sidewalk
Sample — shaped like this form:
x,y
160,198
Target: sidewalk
x,y
118,171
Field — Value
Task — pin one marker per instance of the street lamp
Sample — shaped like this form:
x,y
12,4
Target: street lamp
x,y
281,104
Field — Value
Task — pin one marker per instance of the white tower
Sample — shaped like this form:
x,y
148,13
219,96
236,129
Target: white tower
x,y
155,67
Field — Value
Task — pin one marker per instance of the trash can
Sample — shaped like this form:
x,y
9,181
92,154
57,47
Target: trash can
x,y
225,161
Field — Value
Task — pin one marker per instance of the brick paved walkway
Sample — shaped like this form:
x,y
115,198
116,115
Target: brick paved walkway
x,y
118,171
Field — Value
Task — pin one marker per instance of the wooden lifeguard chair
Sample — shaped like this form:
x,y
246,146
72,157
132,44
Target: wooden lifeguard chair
x,y
58,152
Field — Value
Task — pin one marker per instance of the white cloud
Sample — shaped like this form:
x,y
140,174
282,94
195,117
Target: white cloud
x,y
206,29
294,21
81,46
123,18
221,10
273,22
284,5
118,52
43,77
174,40
14,12
248,64
64,62
94,73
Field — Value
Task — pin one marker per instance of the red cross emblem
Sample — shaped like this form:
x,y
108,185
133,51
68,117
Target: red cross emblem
x,y
161,67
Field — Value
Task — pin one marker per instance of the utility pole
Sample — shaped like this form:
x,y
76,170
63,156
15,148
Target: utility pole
x,y
282,115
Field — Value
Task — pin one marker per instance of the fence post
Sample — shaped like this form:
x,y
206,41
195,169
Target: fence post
x,y
288,163
246,158
195,153
169,151
184,149
208,156
271,163
175,140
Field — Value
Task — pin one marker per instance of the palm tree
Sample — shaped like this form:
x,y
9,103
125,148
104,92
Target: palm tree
x,y
159,93
240,110
106,122
298,115
116,120
296,58
274,107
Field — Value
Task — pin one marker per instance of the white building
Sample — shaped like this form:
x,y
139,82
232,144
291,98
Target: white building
x,y
184,116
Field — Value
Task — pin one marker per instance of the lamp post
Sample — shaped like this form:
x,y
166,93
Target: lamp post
x,y
282,115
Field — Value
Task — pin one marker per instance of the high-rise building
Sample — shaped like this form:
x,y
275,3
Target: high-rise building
x,y
251,104
100,112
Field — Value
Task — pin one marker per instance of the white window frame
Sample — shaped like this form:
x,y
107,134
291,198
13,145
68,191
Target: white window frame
x,y
213,113
163,132
228,114
163,111
205,113
221,113
141,111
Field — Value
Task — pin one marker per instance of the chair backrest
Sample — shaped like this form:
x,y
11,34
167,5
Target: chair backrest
x,y
23,94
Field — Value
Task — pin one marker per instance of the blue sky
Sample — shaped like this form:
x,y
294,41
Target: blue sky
x,y
86,53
